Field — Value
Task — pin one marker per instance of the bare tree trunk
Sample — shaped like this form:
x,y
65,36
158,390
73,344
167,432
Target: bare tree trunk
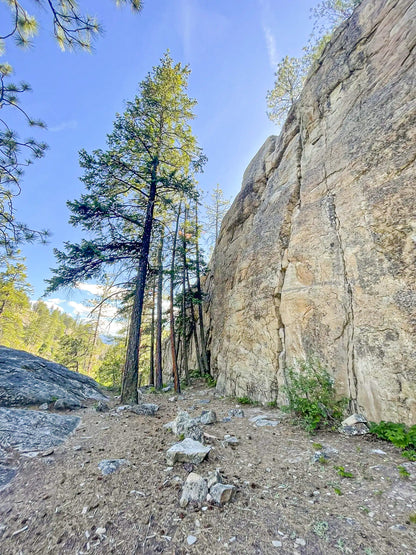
x,y
152,337
184,335
195,332
159,370
204,357
175,372
130,375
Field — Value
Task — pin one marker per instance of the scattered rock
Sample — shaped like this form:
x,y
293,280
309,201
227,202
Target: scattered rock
x,y
231,441
195,490
325,453
276,543
222,493
191,540
214,477
169,387
208,417
354,425
102,407
44,406
67,403
398,528
108,466
263,420
204,401
236,413
184,425
146,409
378,452
226,419
300,541
187,450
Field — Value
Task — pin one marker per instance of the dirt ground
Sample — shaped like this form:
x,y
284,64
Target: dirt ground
x,y
285,503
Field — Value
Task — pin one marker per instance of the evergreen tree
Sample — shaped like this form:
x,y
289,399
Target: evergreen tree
x,y
151,157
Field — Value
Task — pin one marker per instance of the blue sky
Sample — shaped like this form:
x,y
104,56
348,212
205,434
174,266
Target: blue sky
x,y
232,47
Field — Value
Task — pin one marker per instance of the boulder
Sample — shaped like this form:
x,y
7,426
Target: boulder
x,y
208,417
185,426
187,450
195,490
26,379
354,425
222,493
146,409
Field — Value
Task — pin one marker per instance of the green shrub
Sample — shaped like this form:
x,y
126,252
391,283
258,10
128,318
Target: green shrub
x,y
210,381
245,401
397,434
311,395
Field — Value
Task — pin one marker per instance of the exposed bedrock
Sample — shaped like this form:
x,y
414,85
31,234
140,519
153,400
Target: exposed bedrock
x,y
317,254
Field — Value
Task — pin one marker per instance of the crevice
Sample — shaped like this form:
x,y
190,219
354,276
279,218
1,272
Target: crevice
x,y
348,329
293,205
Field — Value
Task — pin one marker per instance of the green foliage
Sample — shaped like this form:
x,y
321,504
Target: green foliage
x,y
291,72
311,395
245,401
338,491
210,381
342,472
403,473
272,404
317,446
72,29
412,518
399,435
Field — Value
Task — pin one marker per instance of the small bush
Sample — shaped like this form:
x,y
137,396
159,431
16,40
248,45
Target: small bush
x,y
210,381
342,472
397,434
245,401
311,394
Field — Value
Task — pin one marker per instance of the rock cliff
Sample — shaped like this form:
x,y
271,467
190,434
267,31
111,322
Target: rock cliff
x,y
317,254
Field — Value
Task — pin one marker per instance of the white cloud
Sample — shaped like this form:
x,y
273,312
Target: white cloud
x,y
266,17
96,289
63,126
54,304
79,308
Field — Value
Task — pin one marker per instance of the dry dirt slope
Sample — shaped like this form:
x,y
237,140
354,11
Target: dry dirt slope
x,y
285,503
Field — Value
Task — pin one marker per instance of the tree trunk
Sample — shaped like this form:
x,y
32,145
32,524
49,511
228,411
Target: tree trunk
x,y
159,370
195,332
130,375
175,372
184,335
204,357
152,337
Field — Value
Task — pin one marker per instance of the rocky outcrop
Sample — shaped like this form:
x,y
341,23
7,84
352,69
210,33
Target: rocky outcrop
x,y
26,379
317,254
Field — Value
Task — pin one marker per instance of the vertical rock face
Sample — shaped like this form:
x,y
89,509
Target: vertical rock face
x,y
317,255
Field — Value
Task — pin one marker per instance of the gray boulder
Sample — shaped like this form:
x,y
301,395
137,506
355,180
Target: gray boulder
x,y
185,426
67,403
145,409
208,417
222,493
26,379
354,425
187,450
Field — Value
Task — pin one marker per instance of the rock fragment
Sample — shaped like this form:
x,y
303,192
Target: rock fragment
x,y
187,450
354,425
195,490
108,466
222,493
208,417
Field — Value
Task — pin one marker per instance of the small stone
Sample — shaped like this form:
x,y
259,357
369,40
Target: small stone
x,y
145,409
354,419
276,543
378,452
84,510
43,406
232,441
398,528
66,403
222,493
169,387
191,540
226,419
208,417
236,413
300,541
204,401
187,450
195,490
102,407
100,531
214,477
108,466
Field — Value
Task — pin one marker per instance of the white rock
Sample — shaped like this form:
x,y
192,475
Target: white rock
x,y
195,489
191,540
276,543
187,450
222,493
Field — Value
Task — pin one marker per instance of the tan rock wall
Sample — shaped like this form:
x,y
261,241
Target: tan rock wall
x,y
317,255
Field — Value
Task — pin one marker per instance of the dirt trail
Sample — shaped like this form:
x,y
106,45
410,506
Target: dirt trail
x,y
285,503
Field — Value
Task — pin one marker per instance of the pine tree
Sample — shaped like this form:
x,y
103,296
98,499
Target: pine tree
x,y
151,157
